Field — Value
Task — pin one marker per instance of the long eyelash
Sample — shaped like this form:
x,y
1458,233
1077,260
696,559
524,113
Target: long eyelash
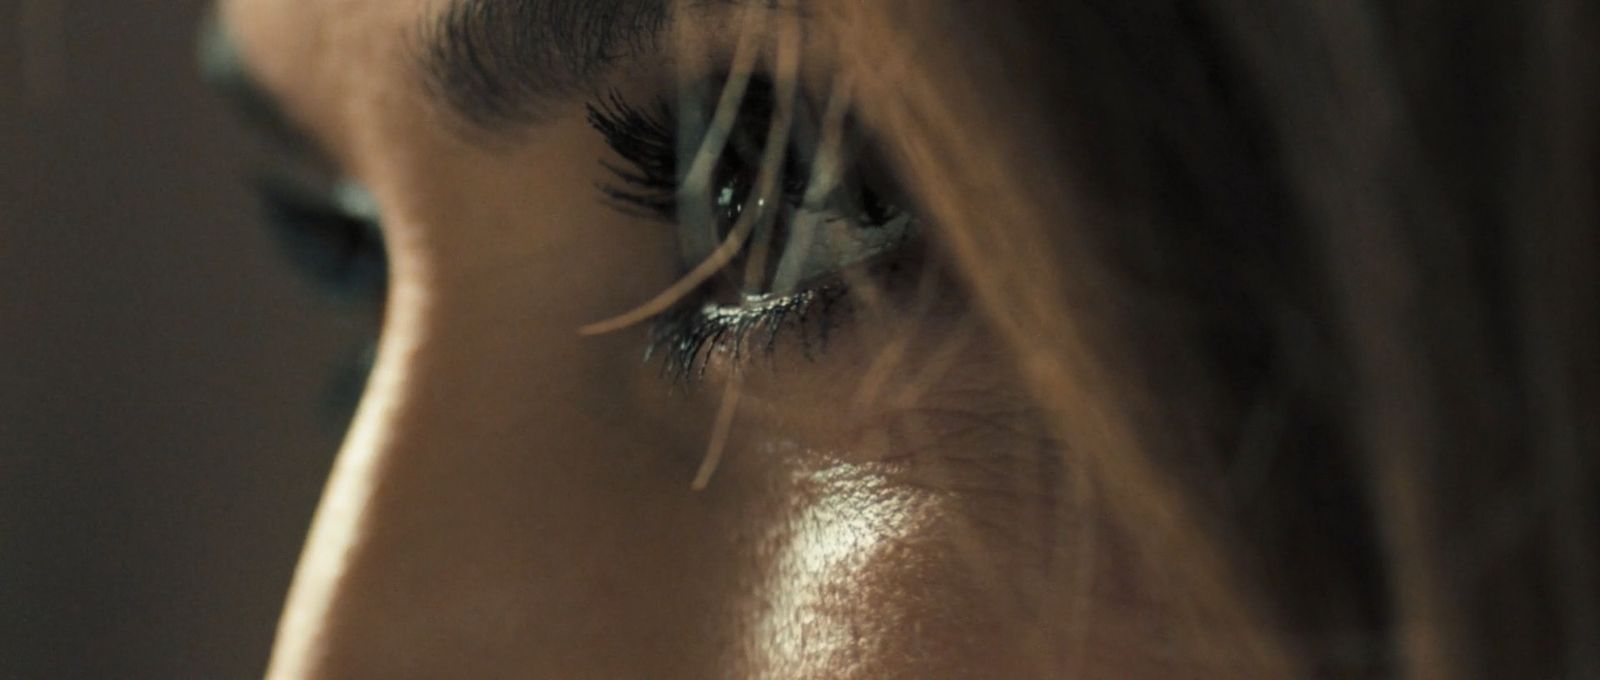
x,y
646,139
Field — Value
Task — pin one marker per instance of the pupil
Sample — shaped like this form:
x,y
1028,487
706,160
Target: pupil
x,y
734,198
877,210
731,198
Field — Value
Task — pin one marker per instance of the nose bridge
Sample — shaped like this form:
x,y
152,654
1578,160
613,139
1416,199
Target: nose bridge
x,y
325,567
468,529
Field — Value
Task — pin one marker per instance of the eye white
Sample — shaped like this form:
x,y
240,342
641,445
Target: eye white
x,y
825,242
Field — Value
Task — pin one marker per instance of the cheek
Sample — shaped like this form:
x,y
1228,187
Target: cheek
x,y
914,540
864,581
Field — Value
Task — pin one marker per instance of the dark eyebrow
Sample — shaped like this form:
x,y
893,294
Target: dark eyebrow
x,y
500,63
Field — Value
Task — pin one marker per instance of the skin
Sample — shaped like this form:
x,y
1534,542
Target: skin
x,y
514,498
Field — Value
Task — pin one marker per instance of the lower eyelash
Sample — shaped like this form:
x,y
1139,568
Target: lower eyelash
x,y
686,339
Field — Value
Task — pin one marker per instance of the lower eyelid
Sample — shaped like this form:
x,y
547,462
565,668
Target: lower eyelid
x,y
688,340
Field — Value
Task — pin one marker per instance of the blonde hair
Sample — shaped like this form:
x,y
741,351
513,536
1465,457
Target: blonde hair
x,y
1307,289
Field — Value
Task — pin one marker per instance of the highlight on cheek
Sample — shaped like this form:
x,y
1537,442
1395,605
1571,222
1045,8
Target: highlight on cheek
x,y
852,536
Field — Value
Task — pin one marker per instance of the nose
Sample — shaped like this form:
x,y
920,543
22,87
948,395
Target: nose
x,y
487,517
308,633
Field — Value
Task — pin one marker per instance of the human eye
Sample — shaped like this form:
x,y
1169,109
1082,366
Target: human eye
x,y
782,211
326,223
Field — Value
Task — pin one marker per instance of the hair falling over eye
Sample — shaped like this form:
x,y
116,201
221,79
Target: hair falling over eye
x,y
785,217
1198,217
1290,240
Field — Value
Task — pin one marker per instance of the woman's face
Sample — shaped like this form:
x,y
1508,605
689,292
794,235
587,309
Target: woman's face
x,y
517,498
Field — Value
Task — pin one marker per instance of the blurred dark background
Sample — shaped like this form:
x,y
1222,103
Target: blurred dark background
x,y
163,374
